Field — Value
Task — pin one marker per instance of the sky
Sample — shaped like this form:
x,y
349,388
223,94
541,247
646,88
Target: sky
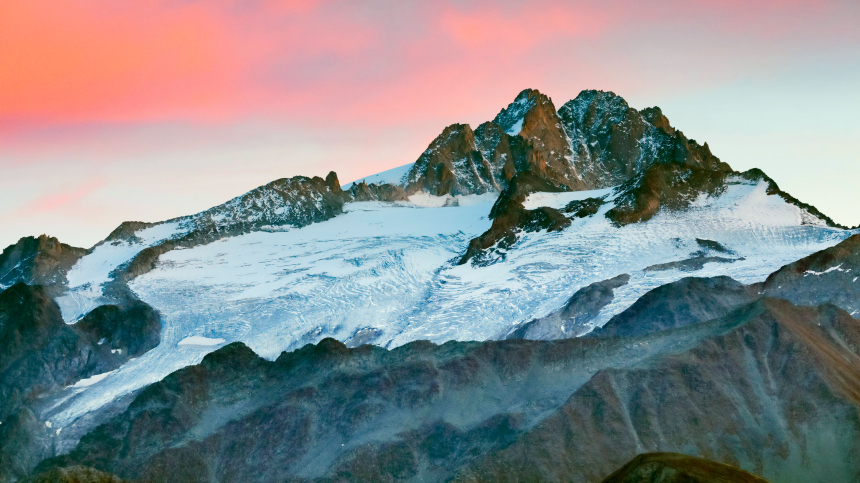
x,y
151,109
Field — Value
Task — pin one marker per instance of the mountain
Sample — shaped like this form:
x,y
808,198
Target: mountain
x,y
592,220
38,261
334,412
766,395
499,411
678,468
41,356
594,141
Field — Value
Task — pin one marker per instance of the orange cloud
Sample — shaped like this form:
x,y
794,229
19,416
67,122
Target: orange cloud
x,y
68,62
74,60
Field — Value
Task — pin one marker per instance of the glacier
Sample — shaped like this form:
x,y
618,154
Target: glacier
x,y
386,272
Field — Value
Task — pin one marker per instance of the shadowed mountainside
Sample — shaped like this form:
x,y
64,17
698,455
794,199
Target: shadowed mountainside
x,y
40,355
776,383
39,260
777,396
326,411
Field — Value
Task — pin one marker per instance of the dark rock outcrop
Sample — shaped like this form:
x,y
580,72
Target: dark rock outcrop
x,y
678,468
665,186
831,275
679,304
376,192
511,217
692,264
613,142
573,319
525,136
533,117
40,355
126,231
297,201
131,330
24,442
759,389
452,165
38,261
282,204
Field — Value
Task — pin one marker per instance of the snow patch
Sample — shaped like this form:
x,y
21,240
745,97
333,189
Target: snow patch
x,y
390,176
831,269
88,275
561,200
92,380
200,340
516,128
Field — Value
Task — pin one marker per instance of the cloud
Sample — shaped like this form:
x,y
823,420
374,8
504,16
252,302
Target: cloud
x,y
323,61
57,201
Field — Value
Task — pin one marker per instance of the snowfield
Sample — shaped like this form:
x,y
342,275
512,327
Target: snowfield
x,y
87,276
386,273
392,176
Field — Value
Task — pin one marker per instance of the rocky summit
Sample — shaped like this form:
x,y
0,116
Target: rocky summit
x,y
574,294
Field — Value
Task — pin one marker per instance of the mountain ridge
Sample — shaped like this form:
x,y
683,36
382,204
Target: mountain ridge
x,y
541,223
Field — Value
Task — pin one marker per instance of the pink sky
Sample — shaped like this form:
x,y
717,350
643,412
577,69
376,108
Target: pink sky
x,y
148,109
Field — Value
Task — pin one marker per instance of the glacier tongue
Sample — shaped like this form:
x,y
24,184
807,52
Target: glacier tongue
x,y
387,269
94,269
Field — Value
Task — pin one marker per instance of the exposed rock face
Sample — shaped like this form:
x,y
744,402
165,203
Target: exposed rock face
x,y
666,186
296,201
678,468
132,330
279,205
510,217
778,382
533,117
831,275
525,136
612,142
126,231
678,304
37,261
24,442
674,187
764,396
40,355
376,192
452,165
573,319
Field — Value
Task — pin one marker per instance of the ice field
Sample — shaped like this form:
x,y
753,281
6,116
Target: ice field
x,y
386,273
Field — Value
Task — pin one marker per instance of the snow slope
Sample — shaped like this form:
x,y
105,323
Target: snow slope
x,y
94,269
385,273
391,176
